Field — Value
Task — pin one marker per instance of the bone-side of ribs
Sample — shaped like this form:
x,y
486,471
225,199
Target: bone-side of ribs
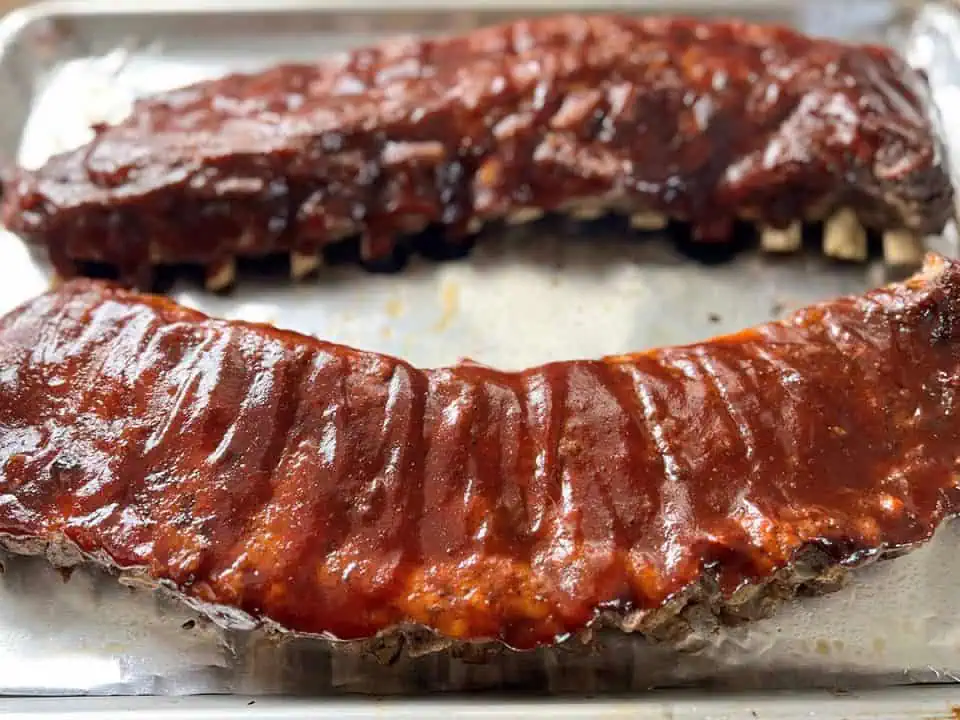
x,y
707,123
338,492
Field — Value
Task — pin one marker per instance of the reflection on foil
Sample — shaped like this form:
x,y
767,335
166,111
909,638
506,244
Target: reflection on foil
x,y
933,44
896,623
87,633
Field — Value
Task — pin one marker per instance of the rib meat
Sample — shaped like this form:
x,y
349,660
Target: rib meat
x,y
339,492
703,122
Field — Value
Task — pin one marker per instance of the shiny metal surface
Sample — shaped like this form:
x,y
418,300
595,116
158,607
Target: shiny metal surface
x,y
533,294
928,703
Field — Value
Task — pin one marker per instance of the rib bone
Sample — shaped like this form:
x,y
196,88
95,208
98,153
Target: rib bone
x,y
844,238
782,240
648,221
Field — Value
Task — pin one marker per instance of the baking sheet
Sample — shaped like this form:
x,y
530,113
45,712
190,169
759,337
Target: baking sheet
x,y
916,703
527,296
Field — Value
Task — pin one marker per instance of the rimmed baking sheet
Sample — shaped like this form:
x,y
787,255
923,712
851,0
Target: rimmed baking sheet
x,y
525,296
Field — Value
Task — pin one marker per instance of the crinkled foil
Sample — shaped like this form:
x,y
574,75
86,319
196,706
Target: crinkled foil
x,y
531,295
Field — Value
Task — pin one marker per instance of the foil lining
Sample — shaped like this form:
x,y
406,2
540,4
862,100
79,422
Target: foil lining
x,y
534,294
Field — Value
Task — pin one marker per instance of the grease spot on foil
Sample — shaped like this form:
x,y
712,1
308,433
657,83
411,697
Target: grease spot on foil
x,y
449,306
393,307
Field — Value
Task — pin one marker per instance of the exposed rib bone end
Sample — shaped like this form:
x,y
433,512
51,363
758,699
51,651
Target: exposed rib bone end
x,y
844,238
221,276
524,216
782,240
648,222
588,210
587,214
902,249
302,265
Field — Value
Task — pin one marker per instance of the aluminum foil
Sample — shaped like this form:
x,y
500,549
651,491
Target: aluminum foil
x,y
530,295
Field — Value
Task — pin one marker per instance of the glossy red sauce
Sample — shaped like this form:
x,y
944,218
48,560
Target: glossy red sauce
x,y
342,492
704,122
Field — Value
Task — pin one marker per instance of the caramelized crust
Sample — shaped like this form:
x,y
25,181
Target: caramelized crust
x,y
704,122
345,493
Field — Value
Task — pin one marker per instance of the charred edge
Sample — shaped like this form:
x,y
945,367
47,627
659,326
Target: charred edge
x,y
685,622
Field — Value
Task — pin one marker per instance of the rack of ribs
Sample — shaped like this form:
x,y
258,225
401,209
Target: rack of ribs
x,y
702,123
334,492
